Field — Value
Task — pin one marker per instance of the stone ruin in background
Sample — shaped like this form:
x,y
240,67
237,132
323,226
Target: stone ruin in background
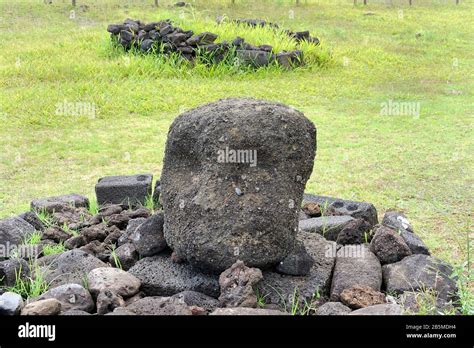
x,y
163,38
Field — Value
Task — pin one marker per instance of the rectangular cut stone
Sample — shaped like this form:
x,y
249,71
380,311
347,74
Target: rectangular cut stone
x,y
327,226
339,207
132,189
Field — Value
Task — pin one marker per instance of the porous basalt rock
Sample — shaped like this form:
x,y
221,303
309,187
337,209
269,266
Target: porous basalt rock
x,y
220,204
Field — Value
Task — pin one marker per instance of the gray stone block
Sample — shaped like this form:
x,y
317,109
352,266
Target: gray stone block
x,y
132,189
327,226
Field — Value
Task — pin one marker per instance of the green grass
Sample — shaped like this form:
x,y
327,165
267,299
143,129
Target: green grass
x,y
69,230
150,204
52,249
261,302
34,238
93,206
421,166
31,286
297,306
45,217
465,279
113,253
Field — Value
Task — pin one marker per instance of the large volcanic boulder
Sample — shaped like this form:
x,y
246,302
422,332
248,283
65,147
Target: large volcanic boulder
x,y
232,183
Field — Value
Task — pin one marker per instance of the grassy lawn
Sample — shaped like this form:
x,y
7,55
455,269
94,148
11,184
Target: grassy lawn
x,y
423,55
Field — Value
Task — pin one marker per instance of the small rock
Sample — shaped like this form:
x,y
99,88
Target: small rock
x,y
302,35
135,298
96,232
323,201
246,311
75,242
119,220
380,309
355,232
277,288
131,228
389,246
97,249
49,306
176,38
420,272
238,42
253,57
355,265
147,45
297,263
71,296
361,210
10,304
205,38
416,245
327,226
148,238
138,213
152,26
121,311
33,220
125,37
160,276
159,306
165,30
332,308
10,269
397,221
110,209
237,286
13,231
132,25
56,234
59,203
115,28
312,209
75,312
290,60
266,48
47,260
71,216
70,267
113,236
107,301
121,282
357,297
194,298
127,255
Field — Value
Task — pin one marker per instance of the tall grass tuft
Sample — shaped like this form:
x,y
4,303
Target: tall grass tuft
x,y
31,286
